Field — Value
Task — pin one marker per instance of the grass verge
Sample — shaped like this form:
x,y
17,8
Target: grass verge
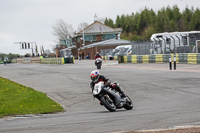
x,y
17,99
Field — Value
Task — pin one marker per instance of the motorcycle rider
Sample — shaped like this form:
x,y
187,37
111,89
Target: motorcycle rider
x,y
96,77
5,61
97,56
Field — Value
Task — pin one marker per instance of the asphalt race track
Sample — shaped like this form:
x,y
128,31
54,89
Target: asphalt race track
x,y
162,98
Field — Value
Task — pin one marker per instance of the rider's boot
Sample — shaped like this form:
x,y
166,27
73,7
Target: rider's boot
x,y
119,90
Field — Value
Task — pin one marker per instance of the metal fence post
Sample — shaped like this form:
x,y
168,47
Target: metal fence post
x,y
165,45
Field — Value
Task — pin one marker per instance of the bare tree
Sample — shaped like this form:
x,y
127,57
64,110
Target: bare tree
x,y
81,26
62,30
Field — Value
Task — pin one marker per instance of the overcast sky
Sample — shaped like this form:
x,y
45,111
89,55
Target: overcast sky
x,y
32,20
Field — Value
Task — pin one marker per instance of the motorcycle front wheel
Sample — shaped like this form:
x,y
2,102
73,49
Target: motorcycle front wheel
x,y
129,104
108,103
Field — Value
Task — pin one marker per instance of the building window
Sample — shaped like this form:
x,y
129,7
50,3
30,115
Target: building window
x,y
90,38
63,42
108,36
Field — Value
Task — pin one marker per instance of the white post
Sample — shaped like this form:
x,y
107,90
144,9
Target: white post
x,y
196,47
83,38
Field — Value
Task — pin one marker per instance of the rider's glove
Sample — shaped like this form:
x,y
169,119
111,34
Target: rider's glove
x,y
107,84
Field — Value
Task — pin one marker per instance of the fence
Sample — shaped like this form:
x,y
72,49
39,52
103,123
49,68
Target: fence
x,y
161,43
175,42
57,60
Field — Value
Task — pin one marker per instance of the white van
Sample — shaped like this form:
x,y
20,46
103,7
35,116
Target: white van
x,y
122,50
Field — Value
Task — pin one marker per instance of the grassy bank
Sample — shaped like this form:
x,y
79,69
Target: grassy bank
x,y
16,99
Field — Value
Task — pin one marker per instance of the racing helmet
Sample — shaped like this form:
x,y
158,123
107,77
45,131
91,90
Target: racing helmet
x,y
94,75
97,53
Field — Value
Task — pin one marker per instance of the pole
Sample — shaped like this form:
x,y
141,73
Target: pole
x,y
178,40
156,45
174,61
165,45
170,62
32,49
174,54
160,45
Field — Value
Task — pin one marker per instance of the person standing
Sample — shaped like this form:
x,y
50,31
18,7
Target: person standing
x,y
5,61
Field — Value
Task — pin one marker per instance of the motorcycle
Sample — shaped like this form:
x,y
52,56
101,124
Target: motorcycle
x,y
110,98
98,63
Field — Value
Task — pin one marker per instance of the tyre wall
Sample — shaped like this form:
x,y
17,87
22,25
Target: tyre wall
x,y
186,58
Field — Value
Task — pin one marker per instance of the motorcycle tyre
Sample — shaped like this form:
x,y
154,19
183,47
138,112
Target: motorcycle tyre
x,y
107,106
129,105
98,66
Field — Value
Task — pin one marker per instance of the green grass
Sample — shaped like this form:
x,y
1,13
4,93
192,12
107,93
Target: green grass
x,y
1,62
16,99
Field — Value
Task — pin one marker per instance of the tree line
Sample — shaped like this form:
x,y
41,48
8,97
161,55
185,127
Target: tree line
x,y
10,56
141,25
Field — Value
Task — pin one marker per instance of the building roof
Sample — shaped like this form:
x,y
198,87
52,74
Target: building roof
x,y
69,48
110,42
98,27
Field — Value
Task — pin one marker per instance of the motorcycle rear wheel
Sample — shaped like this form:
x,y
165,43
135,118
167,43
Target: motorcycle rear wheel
x,y
98,66
108,104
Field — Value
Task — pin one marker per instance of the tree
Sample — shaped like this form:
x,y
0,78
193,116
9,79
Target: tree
x,y
187,17
106,21
82,26
159,24
176,12
195,22
109,22
148,32
172,26
145,19
117,22
62,30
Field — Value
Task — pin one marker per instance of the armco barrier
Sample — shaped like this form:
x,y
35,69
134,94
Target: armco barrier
x,y
180,58
53,61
